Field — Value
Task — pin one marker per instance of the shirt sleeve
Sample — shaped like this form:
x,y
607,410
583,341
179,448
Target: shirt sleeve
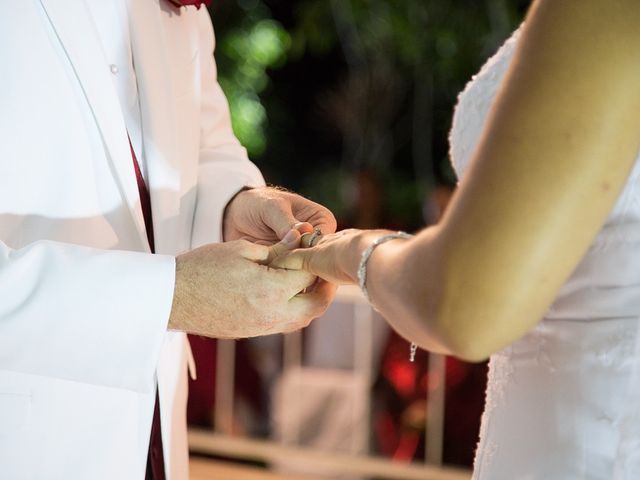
x,y
224,167
83,314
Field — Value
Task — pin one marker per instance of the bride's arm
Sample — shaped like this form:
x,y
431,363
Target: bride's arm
x,y
555,154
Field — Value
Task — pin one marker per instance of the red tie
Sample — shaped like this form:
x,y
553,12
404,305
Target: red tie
x,y
155,457
145,200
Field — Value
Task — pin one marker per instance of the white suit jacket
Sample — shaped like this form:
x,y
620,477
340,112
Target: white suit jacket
x,y
83,305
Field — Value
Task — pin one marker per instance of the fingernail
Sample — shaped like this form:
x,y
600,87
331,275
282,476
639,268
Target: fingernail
x,y
299,225
290,237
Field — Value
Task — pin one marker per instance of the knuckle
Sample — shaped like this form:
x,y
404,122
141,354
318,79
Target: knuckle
x,y
242,244
279,202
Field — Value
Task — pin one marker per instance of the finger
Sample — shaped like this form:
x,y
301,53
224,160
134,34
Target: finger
x,y
279,217
307,306
293,211
323,287
290,241
315,214
303,308
294,260
311,239
301,317
305,240
259,241
265,243
303,227
327,222
290,282
252,251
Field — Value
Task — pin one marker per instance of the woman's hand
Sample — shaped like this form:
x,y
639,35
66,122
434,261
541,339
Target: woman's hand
x,y
334,257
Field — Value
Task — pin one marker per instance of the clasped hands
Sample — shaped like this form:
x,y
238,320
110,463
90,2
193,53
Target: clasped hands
x,y
234,289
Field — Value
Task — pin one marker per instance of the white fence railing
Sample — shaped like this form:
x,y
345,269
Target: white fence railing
x,y
356,461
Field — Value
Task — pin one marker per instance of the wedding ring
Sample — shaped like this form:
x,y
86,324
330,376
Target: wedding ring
x,y
309,239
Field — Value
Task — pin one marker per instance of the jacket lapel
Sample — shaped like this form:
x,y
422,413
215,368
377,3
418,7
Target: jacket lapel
x,y
73,25
150,47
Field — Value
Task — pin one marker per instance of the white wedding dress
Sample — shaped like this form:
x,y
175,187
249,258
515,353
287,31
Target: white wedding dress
x,y
563,402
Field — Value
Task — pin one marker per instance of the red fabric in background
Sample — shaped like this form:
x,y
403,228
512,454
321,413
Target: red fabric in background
x,y
401,390
202,393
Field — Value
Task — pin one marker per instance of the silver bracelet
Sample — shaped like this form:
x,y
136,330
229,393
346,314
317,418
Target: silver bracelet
x,y
362,272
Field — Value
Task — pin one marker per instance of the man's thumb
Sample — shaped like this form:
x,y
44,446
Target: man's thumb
x,y
291,261
290,242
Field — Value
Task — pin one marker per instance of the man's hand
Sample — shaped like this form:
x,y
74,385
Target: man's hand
x,y
228,291
265,215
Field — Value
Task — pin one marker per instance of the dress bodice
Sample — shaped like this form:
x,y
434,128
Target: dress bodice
x,y
563,402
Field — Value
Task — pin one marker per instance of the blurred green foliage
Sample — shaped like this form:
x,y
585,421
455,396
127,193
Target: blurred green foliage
x,y
247,50
396,67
